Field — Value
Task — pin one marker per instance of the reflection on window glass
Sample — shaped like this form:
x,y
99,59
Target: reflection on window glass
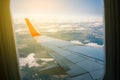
x,y
59,39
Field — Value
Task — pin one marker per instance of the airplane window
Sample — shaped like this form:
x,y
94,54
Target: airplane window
x,y
59,39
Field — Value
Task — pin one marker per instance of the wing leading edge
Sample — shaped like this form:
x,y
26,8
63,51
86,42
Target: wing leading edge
x,y
79,62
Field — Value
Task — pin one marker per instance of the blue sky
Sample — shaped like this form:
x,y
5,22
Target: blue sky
x,y
62,9
88,7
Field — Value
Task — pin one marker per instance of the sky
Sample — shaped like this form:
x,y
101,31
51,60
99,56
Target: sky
x,y
58,10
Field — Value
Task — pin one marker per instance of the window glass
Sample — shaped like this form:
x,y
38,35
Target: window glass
x,y
59,39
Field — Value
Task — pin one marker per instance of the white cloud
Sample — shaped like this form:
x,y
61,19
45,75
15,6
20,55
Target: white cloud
x,y
30,60
76,42
18,30
94,45
86,41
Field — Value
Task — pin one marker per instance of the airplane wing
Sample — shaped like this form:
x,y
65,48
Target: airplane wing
x,y
80,62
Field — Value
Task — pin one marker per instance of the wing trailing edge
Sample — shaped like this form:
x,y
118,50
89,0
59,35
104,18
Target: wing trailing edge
x,y
32,29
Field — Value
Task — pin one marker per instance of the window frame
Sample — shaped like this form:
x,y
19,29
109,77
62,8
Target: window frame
x,y
9,69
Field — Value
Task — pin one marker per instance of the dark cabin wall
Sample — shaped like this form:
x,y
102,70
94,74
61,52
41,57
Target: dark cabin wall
x,y
112,42
8,57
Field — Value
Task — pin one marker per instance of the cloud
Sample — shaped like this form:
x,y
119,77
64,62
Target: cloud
x,y
88,44
30,60
18,30
76,42
94,45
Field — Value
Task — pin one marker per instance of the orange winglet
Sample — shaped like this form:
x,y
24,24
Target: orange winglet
x,y
32,29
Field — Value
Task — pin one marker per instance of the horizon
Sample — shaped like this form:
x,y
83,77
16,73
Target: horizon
x,y
58,10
